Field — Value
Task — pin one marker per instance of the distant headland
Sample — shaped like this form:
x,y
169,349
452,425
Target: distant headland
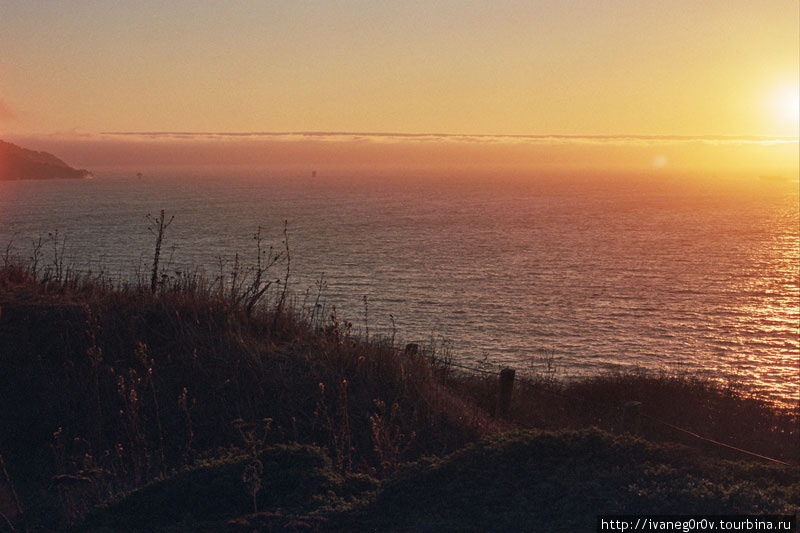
x,y
17,163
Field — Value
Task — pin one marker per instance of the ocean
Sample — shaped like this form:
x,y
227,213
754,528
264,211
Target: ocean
x,y
700,277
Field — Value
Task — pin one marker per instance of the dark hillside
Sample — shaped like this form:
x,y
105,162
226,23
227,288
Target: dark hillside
x,y
123,396
18,163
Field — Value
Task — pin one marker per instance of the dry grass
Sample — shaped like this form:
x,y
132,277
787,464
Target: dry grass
x,y
106,386
117,385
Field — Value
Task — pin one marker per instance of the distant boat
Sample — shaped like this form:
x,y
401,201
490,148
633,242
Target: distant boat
x,y
313,173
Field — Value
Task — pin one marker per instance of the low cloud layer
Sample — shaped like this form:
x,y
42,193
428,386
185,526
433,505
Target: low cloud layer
x,y
458,138
373,154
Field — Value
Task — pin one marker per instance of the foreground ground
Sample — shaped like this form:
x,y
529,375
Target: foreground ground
x,y
193,406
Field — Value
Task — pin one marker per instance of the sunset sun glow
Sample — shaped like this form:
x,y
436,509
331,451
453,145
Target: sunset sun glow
x,y
791,106
520,68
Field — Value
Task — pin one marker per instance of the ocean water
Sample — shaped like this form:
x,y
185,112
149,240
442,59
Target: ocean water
x,y
601,275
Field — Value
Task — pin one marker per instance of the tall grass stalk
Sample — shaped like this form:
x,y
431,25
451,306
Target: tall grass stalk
x,y
158,227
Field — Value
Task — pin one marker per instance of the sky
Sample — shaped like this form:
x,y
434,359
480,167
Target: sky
x,y
576,68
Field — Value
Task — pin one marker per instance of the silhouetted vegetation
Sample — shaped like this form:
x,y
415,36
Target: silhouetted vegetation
x,y
187,402
560,481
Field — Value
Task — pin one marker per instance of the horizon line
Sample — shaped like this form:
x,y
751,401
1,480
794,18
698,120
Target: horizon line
x,y
620,136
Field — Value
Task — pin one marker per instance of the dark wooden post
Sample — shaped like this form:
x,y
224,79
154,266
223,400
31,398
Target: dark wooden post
x,y
411,348
504,392
631,419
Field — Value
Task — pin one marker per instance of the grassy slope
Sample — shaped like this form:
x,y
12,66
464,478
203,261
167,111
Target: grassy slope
x,y
561,481
522,481
122,386
296,480
108,389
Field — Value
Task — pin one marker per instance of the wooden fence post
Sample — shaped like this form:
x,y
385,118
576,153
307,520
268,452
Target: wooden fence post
x,y
504,392
411,349
631,417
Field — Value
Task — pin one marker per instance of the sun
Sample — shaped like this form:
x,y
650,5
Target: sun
x,y
792,107
786,106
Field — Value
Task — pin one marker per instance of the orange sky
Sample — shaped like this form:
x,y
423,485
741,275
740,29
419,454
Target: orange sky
x,y
682,67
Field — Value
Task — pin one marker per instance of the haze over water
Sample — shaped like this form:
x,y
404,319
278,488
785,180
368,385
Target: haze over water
x,y
604,274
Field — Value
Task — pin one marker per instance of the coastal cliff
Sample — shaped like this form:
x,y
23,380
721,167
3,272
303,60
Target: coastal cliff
x,y
17,163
